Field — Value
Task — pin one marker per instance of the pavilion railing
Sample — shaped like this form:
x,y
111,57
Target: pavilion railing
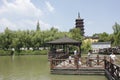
x,y
58,55
62,56
113,70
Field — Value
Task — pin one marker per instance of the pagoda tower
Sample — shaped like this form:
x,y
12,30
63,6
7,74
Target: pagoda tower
x,y
80,24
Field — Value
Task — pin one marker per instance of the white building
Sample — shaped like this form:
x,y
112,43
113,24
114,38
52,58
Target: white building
x,y
100,45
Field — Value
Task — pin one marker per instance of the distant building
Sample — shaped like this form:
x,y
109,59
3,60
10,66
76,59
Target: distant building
x,y
80,24
100,45
91,39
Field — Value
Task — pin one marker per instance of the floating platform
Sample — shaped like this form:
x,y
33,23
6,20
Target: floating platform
x,y
81,71
62,66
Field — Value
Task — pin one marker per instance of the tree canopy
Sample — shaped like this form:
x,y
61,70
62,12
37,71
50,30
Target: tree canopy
x,y
37,38
114,37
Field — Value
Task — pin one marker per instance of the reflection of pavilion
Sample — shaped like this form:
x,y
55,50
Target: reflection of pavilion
x,y
60,47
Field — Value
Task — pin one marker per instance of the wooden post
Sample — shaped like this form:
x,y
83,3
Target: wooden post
x,y
105,62
76,61
98,59
51,64
90,62
79,50
77,66
112,69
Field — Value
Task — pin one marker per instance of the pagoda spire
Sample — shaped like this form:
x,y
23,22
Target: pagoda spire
x,y
78,15
38,26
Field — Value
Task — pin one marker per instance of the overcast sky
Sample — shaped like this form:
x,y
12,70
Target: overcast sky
x,y
99,15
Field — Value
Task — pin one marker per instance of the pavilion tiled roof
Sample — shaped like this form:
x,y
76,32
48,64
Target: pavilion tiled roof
x,y
64,40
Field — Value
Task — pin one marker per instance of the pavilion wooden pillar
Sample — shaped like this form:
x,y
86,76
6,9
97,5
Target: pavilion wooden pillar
x,y
67,49
79,50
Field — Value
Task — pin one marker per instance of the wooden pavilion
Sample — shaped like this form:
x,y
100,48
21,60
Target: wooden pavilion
x,y
60,47
60,63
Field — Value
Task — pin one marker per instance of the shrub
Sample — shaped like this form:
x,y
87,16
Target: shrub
x,y
43,52
5,52
24,52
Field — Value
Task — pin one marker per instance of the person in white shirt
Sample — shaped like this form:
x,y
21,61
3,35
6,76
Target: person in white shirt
x,y
88,58
113,57
75,52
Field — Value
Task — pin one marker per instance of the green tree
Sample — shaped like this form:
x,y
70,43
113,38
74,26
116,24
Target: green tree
x,y
116,34
36,39
18,40
116,28
76,34
111,38
103,37
117,39
86,46
7,38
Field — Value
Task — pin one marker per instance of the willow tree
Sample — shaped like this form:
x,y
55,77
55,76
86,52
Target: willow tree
x,y
116,29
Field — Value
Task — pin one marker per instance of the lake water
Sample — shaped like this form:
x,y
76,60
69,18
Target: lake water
x,y
34,68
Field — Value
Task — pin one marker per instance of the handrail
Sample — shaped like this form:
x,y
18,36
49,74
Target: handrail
x,y
113,69
100,62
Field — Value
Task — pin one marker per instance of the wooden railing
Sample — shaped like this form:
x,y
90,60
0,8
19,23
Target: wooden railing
x,y
57,59
77,62
58,55
62,56
94,62
114,70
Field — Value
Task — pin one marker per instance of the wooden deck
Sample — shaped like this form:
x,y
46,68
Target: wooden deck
x,y
81,71
70,64
97,66
73,66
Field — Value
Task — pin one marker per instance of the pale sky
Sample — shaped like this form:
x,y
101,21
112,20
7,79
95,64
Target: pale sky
x,y
99,15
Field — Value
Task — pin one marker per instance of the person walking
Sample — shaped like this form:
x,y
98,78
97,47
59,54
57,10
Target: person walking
x,y
113,57
75,52
88,57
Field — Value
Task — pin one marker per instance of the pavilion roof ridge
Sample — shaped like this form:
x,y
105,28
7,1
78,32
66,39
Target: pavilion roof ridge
x,y
64,40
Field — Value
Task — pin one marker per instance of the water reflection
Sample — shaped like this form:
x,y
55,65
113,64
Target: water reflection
x,y
33,68
12,57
